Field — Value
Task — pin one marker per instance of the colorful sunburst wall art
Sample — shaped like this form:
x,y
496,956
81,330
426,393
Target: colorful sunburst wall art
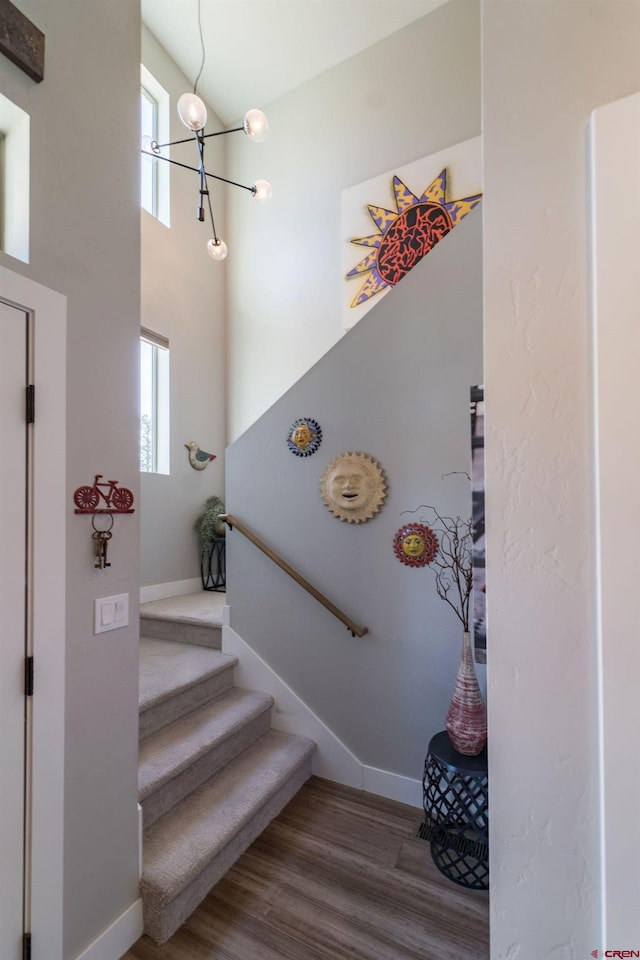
x,y
415,545
304,437
407,234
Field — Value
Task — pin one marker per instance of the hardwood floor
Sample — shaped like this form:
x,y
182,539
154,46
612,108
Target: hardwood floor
x,y
339,874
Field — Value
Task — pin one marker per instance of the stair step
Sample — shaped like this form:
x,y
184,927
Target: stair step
x,y
175,679
182,632
178,759
190,848
193,618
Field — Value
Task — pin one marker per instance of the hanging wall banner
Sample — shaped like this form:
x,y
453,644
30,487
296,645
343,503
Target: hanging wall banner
x,y
479,618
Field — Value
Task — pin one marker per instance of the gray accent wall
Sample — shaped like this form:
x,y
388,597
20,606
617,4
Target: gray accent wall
x,y
396,387
85,243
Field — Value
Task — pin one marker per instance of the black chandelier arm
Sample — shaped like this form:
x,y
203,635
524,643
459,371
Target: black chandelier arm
x,y
203,183
233,183
202,136
213,223
176,163
221,133
186,166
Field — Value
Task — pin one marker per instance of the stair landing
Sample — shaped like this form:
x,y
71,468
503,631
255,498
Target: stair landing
x,y
191,618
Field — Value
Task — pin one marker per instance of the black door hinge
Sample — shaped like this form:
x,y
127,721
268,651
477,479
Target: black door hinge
x,y
31,403
28,677
26,947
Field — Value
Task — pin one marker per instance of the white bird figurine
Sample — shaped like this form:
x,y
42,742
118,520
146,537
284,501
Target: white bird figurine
x,y
198,458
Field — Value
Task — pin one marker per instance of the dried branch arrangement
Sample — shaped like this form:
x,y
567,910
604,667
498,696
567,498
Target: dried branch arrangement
x,y
453,563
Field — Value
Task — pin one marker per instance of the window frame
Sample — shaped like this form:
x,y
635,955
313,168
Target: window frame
x,y
160,402
146,163
16,172
156,93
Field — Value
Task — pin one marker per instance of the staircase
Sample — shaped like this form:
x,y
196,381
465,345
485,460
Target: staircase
x,y
212,772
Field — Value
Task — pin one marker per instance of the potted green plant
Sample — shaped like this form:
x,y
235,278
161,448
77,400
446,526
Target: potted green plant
x,y
209,525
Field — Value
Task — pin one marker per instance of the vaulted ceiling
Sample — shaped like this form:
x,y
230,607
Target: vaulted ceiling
x,y
257,50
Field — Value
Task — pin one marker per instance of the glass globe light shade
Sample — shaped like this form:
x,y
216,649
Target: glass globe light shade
x,y
217,250
192,111
262,191
256,125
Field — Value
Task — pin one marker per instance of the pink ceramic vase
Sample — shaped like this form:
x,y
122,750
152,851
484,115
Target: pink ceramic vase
x,y
466,720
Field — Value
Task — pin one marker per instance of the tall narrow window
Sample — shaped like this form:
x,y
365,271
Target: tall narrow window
x,y
154,125
154,403
148,166
14,185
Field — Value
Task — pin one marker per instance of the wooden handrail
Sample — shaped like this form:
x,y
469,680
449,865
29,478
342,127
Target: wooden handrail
x,y
232,522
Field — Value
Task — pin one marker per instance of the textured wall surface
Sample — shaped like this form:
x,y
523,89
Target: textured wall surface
x,y
397,388
546,66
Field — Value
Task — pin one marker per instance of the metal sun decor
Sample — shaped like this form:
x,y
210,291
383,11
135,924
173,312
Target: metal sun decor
x,y
304,437
415,545
353,487
405,235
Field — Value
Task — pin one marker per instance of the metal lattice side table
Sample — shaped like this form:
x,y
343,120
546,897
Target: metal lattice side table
x,y
214,569
456,807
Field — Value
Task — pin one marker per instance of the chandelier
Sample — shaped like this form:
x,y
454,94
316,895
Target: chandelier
x,y
193,114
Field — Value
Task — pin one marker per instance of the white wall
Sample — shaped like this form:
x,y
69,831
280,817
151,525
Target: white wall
x,y
408,96
546,66
85,243
183,299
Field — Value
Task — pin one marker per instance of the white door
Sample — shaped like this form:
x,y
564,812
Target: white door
x,y
13,620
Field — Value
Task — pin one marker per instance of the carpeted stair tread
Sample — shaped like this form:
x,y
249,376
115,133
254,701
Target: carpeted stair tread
x,y
194,618
170,751
204,608
212,775
168,668
185,840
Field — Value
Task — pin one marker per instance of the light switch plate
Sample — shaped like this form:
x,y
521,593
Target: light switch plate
x,y
111,613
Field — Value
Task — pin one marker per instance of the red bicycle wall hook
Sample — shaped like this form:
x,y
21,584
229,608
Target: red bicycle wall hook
x,y
116,499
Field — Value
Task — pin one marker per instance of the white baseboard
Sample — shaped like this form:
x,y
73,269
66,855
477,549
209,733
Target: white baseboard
x,y
393,786
333,759
290,714
160,591
117,938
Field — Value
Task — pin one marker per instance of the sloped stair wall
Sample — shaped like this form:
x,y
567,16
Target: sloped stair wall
x,y
396,387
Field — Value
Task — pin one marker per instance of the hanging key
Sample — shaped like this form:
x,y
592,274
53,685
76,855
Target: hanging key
x,y
102,538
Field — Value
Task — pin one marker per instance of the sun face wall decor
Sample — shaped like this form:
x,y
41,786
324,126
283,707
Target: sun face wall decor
x,y
407,234
304,437
415,545
353,487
